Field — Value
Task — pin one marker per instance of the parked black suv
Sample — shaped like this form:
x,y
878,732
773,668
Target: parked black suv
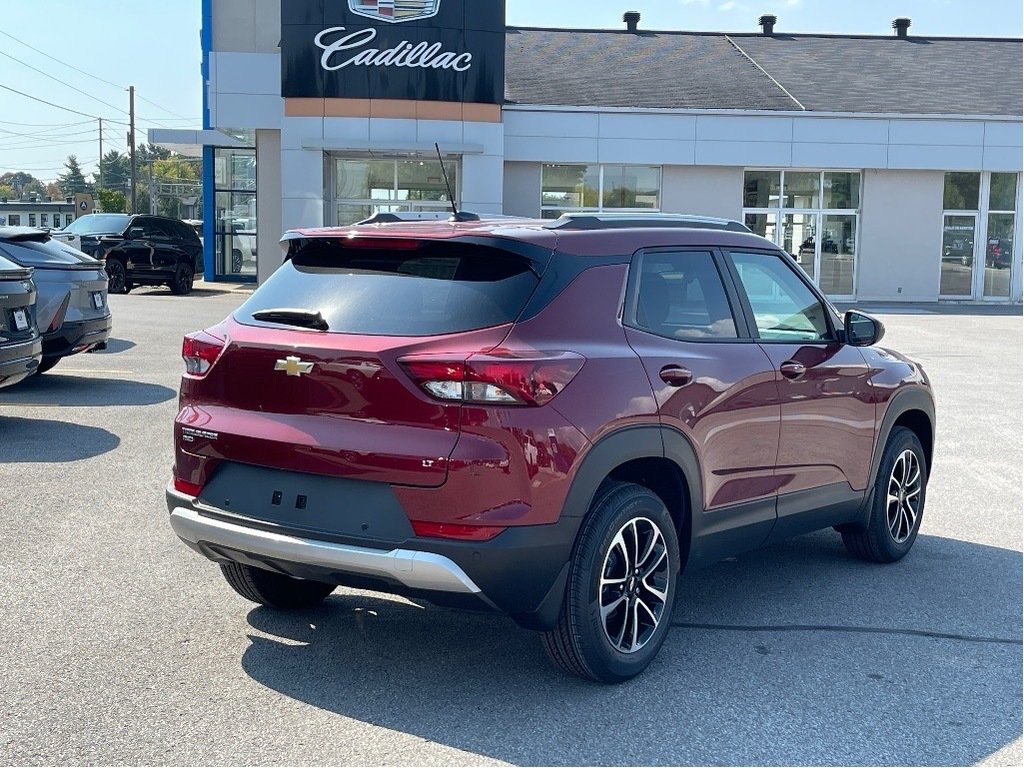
x,y
139,250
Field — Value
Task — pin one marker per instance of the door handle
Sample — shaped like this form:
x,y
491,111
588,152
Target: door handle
x,y
791,369
675,375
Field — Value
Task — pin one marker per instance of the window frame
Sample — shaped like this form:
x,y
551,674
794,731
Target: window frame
x,y
632,295
831,314
600,207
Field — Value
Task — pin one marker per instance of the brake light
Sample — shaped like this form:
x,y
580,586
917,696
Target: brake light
x,y
200,350
455,531
189,489
496,379
383,243
58,318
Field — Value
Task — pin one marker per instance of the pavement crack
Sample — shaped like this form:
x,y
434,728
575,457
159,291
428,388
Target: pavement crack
x,y
849,630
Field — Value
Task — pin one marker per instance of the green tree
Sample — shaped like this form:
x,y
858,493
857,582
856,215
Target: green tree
x,y
25,185
72,180
6,192
115,170
112,201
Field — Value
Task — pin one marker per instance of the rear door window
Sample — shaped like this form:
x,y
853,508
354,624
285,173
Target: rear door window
x,y
402,288
680,295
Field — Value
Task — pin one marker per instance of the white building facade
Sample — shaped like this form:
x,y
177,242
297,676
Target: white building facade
x,y
883,197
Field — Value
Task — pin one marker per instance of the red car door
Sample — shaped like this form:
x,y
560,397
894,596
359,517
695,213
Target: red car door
x,y
828,414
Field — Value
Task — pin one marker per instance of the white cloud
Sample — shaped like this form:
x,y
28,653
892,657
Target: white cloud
x,y
728,6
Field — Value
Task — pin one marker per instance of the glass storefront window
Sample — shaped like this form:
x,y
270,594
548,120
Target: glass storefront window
x,y
999,253
364,187
761,189
1004,192
957,255
631,186
961,191
813,216
800,190
595,188
838,246
235,212
842,191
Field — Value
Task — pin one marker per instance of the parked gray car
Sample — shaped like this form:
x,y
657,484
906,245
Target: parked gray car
x,y
20,344
71,308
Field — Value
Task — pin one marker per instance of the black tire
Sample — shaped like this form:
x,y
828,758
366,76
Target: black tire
x,y
128,287
582,643
117,276
895,520
274,589
184,275
236,261
46,365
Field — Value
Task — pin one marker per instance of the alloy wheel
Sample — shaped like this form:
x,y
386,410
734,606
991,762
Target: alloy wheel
x,y
903,496
633,585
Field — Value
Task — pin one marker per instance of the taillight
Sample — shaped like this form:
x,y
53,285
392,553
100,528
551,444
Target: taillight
x,y
189,489
58,318
200,351
455,531
495,379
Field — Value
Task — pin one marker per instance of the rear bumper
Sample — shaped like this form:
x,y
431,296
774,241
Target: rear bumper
x,y
522,572
19,360
77,337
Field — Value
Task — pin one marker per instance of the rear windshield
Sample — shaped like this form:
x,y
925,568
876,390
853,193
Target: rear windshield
x,y
423,289
99,224
44,253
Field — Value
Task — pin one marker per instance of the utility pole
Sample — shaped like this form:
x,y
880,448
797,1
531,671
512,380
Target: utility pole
x,y
101,152
131,138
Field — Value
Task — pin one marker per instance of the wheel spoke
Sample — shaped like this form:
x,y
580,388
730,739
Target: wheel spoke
x,y
649,612
654,566
655,539
660,594
606,610
636,626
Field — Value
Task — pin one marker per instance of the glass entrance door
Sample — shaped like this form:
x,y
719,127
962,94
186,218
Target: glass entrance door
x,y
959,234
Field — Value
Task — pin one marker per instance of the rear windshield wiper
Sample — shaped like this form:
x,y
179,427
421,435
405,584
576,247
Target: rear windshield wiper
x,y
303,318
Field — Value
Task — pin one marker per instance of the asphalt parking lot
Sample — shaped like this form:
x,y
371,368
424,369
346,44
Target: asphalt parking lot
x,y
119,645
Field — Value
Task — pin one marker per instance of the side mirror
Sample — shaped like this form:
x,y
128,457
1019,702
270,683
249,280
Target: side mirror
x,y
136,233
862,330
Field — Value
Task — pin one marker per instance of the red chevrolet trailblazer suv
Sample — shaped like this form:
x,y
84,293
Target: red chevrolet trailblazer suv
x,y
549,419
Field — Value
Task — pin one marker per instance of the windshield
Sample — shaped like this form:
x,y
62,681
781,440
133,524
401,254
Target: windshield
x,y
99,224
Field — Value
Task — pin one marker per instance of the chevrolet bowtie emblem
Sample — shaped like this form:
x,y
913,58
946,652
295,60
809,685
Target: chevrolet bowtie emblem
x,y
293,366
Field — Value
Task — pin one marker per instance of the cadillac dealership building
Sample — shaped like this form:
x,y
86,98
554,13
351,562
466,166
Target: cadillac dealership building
x,y
889,166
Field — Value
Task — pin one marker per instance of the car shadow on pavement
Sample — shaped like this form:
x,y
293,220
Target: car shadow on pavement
x,y
789,655
57,389
116,346
42,440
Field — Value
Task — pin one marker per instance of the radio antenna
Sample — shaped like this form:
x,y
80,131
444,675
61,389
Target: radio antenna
x,y
448,185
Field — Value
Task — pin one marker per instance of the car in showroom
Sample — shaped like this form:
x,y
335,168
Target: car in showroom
x,y
139,250
71,307
548,419
21,347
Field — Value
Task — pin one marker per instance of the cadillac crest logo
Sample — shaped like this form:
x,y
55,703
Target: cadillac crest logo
x,y
395,11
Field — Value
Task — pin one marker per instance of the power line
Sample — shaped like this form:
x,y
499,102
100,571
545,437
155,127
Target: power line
x,y
61,82
48,103
89,74
46,125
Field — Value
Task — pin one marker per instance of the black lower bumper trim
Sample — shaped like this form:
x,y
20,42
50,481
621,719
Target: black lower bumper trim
x,y
71,336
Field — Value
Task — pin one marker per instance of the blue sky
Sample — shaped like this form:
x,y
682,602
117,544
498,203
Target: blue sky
x,y
154,45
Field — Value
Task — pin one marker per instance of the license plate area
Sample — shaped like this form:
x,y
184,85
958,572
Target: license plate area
x,y
309,504
97,300
20,320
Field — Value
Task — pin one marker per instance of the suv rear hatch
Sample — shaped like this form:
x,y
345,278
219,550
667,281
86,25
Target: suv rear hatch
x,y
306,376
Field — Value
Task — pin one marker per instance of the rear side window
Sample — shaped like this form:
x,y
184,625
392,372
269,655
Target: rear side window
x,y
48,253
680,295
408,288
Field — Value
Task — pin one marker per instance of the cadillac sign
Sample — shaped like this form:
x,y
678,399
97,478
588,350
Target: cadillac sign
x,y
424,50
395,11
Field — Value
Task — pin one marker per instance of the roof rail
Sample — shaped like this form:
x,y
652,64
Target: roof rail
x,y
592,221
391,218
